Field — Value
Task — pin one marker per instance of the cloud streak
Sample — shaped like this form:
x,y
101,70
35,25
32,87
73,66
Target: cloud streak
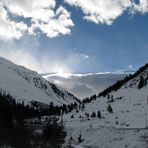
x,y
84,56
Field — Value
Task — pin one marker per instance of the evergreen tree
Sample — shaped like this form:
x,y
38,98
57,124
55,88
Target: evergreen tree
x,y
70,143
99,114
108,97
93,114
80,139
112,97
109,109
83,106
141,83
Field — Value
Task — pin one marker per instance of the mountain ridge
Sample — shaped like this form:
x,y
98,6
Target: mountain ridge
x,y
27,85
120,83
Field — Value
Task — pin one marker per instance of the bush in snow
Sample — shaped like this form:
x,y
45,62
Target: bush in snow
x,y
80,139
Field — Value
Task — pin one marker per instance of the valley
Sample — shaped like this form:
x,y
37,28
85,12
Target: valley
x,y
117,117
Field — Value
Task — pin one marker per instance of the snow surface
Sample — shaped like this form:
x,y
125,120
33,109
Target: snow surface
x,y
126,127
26,85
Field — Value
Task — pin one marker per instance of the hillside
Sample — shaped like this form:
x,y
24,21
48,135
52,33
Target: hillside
x,y
124,124
135,78
26,85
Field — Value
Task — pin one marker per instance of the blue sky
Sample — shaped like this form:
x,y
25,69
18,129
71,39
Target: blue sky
x,y
114,41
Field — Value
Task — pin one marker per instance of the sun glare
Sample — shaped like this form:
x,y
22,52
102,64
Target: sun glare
x,y
60,71
63,73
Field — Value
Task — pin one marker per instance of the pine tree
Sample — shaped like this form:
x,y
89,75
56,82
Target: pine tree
x,y
141,82
83,106
93,114
108,97
109,109
80,139
99,114
70,143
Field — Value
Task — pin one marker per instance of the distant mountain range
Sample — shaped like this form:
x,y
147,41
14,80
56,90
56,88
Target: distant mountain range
x,y
83,85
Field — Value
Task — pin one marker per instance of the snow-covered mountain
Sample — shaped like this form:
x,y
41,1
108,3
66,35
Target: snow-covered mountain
x,y
26,85
83,85
124,126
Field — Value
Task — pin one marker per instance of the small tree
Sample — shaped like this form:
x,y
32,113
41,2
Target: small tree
x,y
108,97
93,114
72,116
112,98
141,83
99,114
80,139
109,109
83,106
70,143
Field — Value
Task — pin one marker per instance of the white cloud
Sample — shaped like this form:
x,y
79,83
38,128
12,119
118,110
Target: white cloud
x,y
56,26
142,7
106,11
101,11
35,9
41,15
10,29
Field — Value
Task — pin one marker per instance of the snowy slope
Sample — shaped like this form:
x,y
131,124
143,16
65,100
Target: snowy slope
x,y
26,85
125,127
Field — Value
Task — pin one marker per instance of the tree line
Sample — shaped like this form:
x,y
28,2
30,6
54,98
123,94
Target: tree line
x,y
13,131
120,83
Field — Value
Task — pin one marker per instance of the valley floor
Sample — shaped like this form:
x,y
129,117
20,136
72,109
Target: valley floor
x,y
102,137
